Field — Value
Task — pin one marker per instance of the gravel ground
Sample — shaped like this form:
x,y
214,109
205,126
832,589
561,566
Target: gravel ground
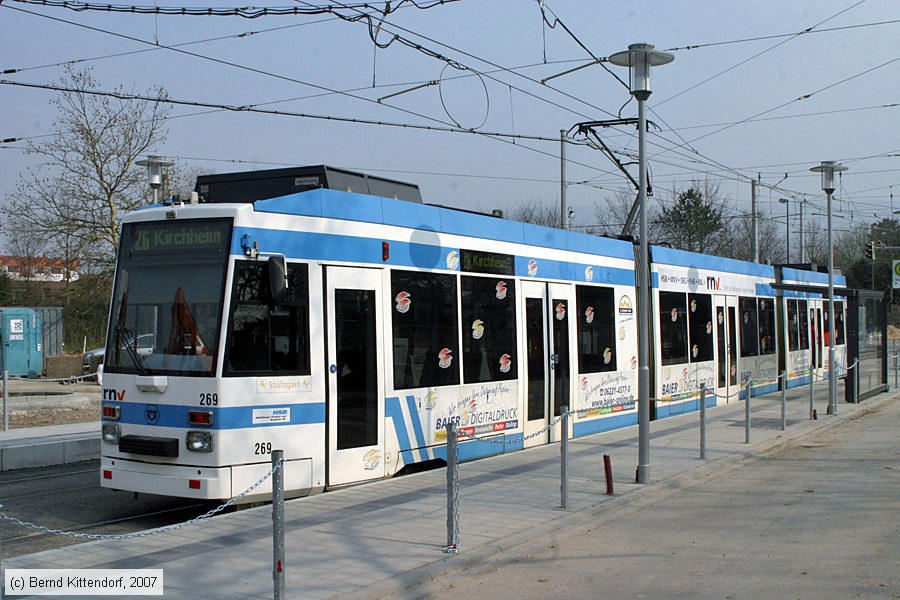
x,y
41,417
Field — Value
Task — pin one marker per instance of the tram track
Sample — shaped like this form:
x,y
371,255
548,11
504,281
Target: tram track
x,y
82,528
69,498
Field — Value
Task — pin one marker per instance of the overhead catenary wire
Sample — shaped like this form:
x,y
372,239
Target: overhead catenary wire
x,y
757,55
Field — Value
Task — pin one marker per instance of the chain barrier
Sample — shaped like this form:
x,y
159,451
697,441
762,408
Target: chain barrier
x,y
72,379
140,534
580,411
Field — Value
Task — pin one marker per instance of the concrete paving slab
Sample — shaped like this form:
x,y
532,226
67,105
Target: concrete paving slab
x,y
385,539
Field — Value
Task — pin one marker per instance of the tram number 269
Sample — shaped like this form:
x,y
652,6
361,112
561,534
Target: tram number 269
x,y
262,448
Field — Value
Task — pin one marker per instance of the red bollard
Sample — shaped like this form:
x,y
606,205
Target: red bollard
x,y
815,415
607,467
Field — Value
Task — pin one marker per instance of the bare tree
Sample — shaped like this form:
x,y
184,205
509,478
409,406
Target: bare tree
x,y
87,179
537,212
738,243
612,217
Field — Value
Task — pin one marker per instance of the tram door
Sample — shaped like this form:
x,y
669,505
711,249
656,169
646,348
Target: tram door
x,y
727,382
547,310
355,375
819,340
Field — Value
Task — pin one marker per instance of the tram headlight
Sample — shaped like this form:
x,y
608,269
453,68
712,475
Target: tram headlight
x,y
110,433
199,441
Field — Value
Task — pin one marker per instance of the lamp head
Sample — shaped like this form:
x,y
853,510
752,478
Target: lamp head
x,y
154,166
828,169
639,58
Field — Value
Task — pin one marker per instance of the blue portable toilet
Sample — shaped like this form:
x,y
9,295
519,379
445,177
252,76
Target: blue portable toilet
x,y
22,348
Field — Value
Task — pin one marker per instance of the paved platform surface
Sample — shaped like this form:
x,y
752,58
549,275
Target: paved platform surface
x,y
385,539
56,444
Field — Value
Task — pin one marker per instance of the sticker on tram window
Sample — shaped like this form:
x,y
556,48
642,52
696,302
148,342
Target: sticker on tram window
x,y
477,329
560,311
589,314
445,357
695,350
693,306
589,273
674,314
721,318
709,327
607,356
403,302
532,268
622,332
505,363
501,290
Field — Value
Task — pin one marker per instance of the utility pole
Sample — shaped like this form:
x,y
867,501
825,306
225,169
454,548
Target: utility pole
x,y
754,230
802,249
563,209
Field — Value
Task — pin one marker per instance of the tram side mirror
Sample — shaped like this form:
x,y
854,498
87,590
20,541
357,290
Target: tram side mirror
x,y
278,278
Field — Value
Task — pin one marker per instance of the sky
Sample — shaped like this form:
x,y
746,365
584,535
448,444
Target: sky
x,y
760,89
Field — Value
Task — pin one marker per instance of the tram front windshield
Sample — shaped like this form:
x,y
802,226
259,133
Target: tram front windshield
x,y
167,300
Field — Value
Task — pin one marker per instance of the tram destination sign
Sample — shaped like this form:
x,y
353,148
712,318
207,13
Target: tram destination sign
x,y
493,263
206,235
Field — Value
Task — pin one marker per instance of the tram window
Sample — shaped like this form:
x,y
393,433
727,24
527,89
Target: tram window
x,y
749,330
673,327
489,329
804,324
701,327
766,325
425,328
596,329
793,324
263,337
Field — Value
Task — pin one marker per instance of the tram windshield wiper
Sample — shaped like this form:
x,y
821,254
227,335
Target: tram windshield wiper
x,y
125,339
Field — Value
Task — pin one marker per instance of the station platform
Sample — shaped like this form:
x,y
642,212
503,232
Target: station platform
x,y
386,539
22,448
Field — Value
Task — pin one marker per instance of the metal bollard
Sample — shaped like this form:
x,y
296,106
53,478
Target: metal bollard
x,y
278,523
702,421
812,382
452,546
747,412
607,470
564,459
783,400
896,369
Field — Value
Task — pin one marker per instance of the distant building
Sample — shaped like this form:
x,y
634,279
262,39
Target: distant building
x,y
39,269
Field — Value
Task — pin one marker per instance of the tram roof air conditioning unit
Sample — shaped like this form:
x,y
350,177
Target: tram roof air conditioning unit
x,y
250,186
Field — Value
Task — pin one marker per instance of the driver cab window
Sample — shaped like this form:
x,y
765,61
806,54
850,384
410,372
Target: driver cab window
x,y
265,336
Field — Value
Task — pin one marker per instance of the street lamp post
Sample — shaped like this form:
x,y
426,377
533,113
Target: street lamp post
x,y
155,166
639,58
828,169
787,229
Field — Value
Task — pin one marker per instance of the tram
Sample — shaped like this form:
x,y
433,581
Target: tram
x,y
336,317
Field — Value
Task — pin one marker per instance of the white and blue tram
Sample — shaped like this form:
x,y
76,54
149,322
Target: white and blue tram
x,y
716,326
348,329
806,327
